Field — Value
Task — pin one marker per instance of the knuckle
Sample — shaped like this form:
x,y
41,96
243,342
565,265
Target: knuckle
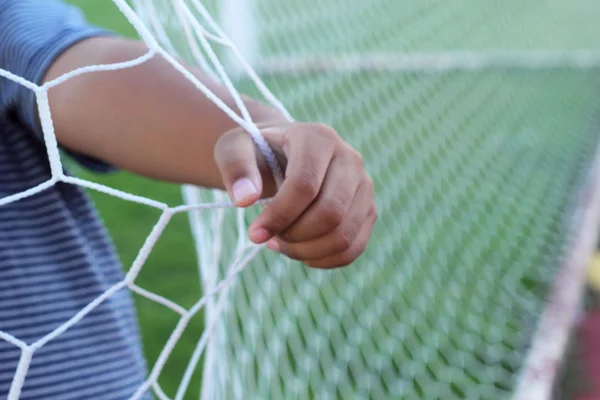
x,y
357,157
345,238
370,186
344,241
235,165
374,212
235,169
291,236
276,219
325,131
287,236
332,213
351,254
353,156
305,184
372,215
226,156
292,253
225,142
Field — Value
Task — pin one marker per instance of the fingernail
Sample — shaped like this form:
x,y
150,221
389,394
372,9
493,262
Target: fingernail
x,y
259,235
243,189
273,245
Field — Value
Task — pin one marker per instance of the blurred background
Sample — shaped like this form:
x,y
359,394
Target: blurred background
x,y
479,187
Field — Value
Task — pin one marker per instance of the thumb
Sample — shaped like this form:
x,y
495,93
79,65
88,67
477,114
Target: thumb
x,y
236,158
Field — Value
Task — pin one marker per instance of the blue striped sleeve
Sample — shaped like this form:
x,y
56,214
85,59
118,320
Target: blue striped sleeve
x,y
33,34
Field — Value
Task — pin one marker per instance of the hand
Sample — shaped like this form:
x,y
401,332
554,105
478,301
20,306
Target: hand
x,y
324,211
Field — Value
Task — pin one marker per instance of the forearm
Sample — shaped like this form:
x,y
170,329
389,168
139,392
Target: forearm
x,y
147,119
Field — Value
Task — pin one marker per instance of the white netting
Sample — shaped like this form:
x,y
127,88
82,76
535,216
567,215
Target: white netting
x,y
479,124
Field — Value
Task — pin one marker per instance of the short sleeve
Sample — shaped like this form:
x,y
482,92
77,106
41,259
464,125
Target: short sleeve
x,y
33,34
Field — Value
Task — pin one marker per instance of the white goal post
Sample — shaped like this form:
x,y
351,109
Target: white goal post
x,y
239,24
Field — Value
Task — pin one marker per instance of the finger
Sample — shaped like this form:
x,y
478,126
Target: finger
x,y
349,256
308,160
336,241
235,155
274,132
332,205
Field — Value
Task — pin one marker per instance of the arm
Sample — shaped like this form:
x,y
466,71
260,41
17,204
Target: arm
x,y
151,120
170,128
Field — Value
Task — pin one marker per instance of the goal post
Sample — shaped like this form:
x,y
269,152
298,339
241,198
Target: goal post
x,y
565,302
237,18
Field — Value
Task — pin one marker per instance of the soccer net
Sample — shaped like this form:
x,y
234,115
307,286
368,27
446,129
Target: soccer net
x,y
479,122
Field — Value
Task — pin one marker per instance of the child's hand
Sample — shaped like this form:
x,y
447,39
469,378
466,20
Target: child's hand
x,y
324,211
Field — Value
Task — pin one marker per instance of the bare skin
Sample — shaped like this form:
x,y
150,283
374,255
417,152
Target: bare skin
x,y
150,120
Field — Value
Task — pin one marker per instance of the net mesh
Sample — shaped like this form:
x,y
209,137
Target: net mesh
x,y
479,125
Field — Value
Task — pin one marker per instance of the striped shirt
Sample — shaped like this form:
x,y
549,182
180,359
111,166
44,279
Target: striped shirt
x,y
55,256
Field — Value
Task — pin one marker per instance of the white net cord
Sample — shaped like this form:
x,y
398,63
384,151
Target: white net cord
x,y
245,251
479,125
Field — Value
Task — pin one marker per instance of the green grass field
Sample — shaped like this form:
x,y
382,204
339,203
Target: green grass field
x,y
476,177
